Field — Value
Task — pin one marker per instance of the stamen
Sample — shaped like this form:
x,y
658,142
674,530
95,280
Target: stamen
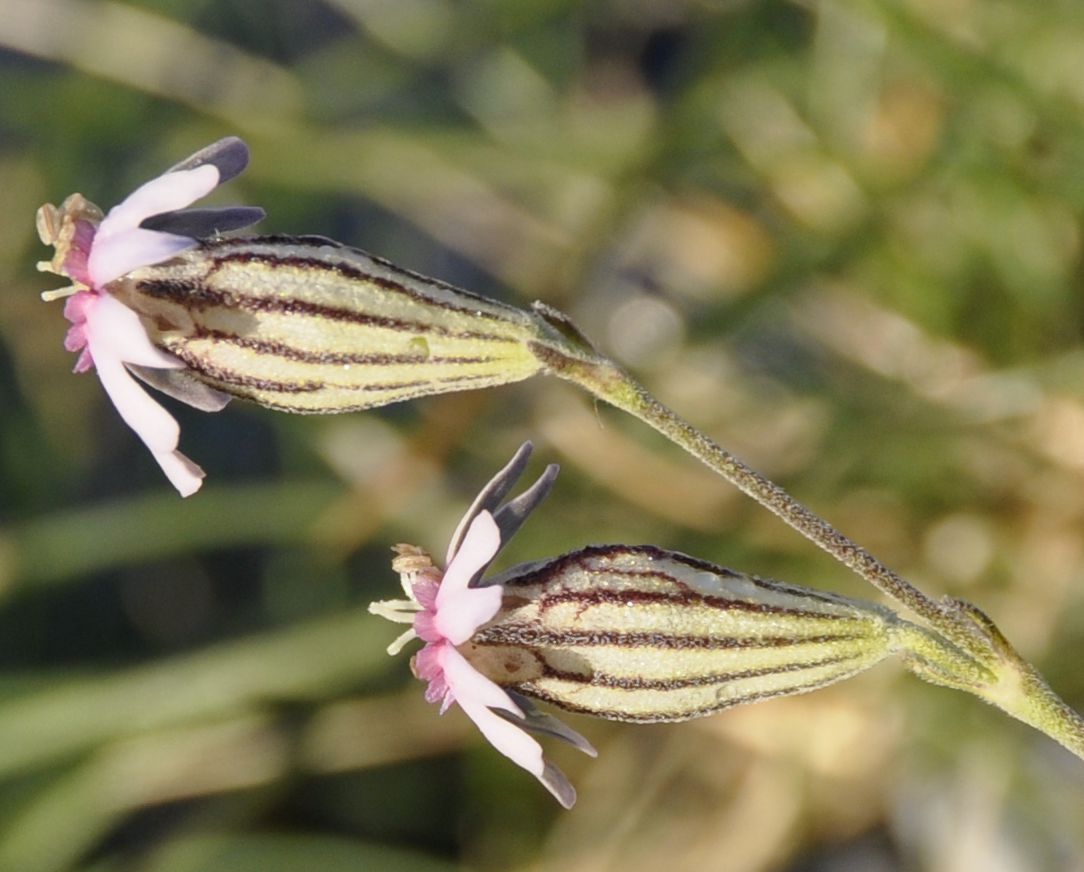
x,y
401,642
58,293
398,611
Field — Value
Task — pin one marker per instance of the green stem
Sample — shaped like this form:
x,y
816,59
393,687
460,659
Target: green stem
x,y
967,651
1019,689
1037,705
608,382
1010,682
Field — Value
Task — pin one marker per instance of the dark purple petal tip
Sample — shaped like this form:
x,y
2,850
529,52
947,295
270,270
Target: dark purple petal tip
x,y
204,223
229,155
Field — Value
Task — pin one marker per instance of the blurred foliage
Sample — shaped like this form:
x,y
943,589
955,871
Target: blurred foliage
x,y
844,237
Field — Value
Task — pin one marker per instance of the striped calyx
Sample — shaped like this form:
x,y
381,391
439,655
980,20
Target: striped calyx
x,y
636,633
304,324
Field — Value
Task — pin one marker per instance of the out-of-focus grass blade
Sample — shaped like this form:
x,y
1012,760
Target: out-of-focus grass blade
x,y
286,853
65,820
301,662
67,816
67,545
256,85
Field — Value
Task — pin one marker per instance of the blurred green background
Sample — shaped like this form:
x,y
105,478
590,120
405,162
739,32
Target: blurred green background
x,y
842,237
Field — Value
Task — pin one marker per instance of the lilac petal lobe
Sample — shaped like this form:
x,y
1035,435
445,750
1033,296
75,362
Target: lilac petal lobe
x,y
76,338
85,362
477,695
469,685
425,626
163,194
479,547
76,306
153,424
425,593
428,667
119,254
183,474
507,738
490,496
112,326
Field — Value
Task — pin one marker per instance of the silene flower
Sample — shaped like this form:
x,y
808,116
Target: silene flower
x,y
446,608
95,252
299,324
629,633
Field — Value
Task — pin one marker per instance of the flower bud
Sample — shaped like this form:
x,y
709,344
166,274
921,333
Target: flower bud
x,y
304,324
636,633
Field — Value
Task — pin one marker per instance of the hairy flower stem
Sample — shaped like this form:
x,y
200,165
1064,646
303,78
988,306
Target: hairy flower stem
x,y
608,382
306,325
967,652
1006,680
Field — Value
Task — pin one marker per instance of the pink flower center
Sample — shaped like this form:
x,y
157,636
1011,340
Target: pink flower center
x,y
75,264
77,309
425,593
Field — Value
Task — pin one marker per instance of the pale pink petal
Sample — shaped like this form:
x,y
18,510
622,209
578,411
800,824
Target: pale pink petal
x,y
425,627
121,246
113,326
425,592
479,546
506,737
459,618
120,254
469,685
427,667
182,473
75,308
153,424
76,337
162,194
476,695
462,610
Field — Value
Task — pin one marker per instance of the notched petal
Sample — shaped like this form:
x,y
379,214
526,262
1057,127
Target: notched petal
x,y
183,474
490,496
511,515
